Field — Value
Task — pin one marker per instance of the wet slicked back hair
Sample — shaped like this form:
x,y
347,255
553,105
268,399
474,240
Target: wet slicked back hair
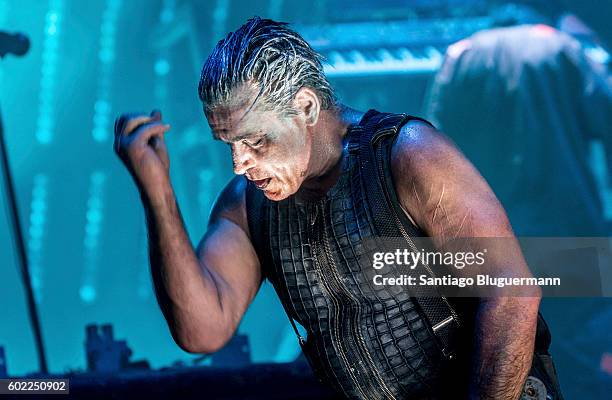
x,y
270,58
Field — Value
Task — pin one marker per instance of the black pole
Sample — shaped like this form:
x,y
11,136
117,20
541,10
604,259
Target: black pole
x,y
21,253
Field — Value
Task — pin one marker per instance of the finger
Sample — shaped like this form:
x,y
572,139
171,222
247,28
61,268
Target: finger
x,y
118,136
150,129
134,123
123,119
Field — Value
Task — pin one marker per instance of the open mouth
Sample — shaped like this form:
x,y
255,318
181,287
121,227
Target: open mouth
x,y
262,183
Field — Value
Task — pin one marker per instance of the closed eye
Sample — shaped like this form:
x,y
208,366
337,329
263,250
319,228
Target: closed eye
x,y
255,142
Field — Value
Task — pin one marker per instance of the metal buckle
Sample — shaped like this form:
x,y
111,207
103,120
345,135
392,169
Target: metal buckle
x,y
443,323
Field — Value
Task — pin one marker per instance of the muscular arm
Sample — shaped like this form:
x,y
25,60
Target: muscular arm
x,y
448,199
203,294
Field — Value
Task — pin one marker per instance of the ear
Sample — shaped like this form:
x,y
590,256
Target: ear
x,y
307,103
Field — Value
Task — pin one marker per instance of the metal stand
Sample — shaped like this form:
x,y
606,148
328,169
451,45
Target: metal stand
x,y
21,252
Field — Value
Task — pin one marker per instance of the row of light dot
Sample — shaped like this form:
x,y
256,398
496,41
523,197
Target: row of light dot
x,y
106,55
36,231
101,131
93,227
44,134
46,119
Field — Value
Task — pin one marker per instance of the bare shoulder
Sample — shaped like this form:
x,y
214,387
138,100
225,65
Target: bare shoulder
x,y
231,204
440,187
421,153
419,141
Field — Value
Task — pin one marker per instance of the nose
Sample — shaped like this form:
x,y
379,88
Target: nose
x,y
241,159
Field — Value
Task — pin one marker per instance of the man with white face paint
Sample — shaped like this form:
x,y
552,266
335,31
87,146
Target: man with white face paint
x,y
298,211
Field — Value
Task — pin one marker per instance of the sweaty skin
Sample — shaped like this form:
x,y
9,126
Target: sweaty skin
x,y
448,199
203,293
275,151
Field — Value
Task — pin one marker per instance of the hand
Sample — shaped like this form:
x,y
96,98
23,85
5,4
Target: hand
x,y
139,143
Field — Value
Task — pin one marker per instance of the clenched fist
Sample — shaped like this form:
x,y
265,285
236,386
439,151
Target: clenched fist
x,y
139,143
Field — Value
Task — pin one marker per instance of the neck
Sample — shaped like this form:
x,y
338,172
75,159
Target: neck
x,y
327,149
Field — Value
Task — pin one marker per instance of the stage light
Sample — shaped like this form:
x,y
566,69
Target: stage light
x,y
46,107
87,293
94,217
36,233
162,67
101,130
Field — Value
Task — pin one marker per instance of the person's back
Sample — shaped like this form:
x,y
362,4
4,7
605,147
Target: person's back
x,y
522,103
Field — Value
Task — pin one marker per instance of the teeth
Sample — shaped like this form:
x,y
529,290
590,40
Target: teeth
x,y
261,183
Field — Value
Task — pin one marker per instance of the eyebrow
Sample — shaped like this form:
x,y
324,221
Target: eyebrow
x,y
238,138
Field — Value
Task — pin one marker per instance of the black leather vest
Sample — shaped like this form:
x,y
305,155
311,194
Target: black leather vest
x,y
365,342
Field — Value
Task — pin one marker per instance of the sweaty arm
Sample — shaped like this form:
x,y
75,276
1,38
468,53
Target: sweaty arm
x,y
449,199
203,294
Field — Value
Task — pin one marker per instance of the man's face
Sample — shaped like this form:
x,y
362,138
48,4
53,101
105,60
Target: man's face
x,y
271,150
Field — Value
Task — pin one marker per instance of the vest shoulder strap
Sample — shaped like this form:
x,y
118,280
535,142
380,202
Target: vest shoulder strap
x,y
379,128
